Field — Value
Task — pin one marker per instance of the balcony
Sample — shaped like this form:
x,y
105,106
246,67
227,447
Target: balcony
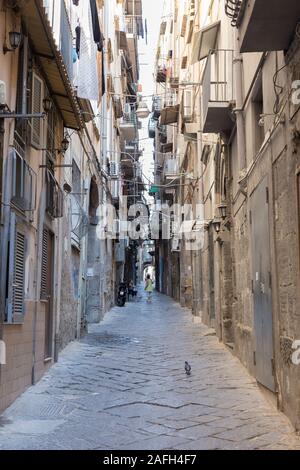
x,y
217,98
162,134
264,25
134,25
171,168
156,107
169,115
152,125
129,126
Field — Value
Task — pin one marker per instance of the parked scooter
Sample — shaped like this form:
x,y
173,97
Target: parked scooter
x,y
122,293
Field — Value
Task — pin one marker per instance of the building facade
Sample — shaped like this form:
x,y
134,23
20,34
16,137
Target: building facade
x,y
226,81
69,90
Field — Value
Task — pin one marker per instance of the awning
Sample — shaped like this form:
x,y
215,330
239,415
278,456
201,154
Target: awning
x,y
43,44
169,115
205,40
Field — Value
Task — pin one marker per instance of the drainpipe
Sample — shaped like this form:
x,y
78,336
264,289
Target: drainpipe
x,y
2,303
240,123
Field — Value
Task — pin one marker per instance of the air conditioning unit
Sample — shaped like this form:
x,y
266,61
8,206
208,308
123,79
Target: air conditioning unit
x,y
114,169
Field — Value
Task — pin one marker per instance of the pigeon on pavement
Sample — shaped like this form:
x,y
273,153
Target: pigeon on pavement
x,y
188,368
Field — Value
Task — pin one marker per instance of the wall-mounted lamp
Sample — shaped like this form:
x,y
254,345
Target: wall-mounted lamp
x,y
222,210
64,147
64,144
217,225
14,41
67,188
47,104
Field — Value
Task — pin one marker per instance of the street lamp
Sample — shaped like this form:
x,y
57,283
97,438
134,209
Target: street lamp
x,y
142,111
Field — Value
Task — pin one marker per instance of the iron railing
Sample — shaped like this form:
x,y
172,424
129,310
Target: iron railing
x,y
235,10
156,107
134,25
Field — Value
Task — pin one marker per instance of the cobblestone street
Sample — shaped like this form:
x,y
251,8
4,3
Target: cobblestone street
x,y
124,387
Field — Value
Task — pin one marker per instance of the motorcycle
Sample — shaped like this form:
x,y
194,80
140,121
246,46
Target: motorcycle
x,y
122,293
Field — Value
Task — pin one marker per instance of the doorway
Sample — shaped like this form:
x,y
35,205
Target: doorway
x,y
211,273
47,289
262,288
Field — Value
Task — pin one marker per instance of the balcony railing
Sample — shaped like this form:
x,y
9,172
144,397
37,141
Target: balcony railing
x,y
156,107
171,168
129,126
134,25
217,97
152,124
235,10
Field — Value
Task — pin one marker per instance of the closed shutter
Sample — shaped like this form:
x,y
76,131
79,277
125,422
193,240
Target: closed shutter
x,y
16,280
36,108
44,267
184,26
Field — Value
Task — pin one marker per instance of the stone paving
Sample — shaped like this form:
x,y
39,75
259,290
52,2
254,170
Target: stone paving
x,y
124,387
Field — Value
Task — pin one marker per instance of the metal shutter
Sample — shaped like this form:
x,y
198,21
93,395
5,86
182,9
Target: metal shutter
x,y
36,108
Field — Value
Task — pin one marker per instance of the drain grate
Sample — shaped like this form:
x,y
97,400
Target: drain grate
x,y
56,410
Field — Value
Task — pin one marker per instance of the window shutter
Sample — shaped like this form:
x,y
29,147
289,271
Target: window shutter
x,y
36,107
44,266
190,33
184,25
16,280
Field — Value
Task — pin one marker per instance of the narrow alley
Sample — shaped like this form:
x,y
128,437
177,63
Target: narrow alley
x,y
124,386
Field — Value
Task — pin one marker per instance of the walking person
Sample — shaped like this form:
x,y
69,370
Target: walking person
x,y
149,288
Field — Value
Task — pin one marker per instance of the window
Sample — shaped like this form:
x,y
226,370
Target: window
x,y
16,273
